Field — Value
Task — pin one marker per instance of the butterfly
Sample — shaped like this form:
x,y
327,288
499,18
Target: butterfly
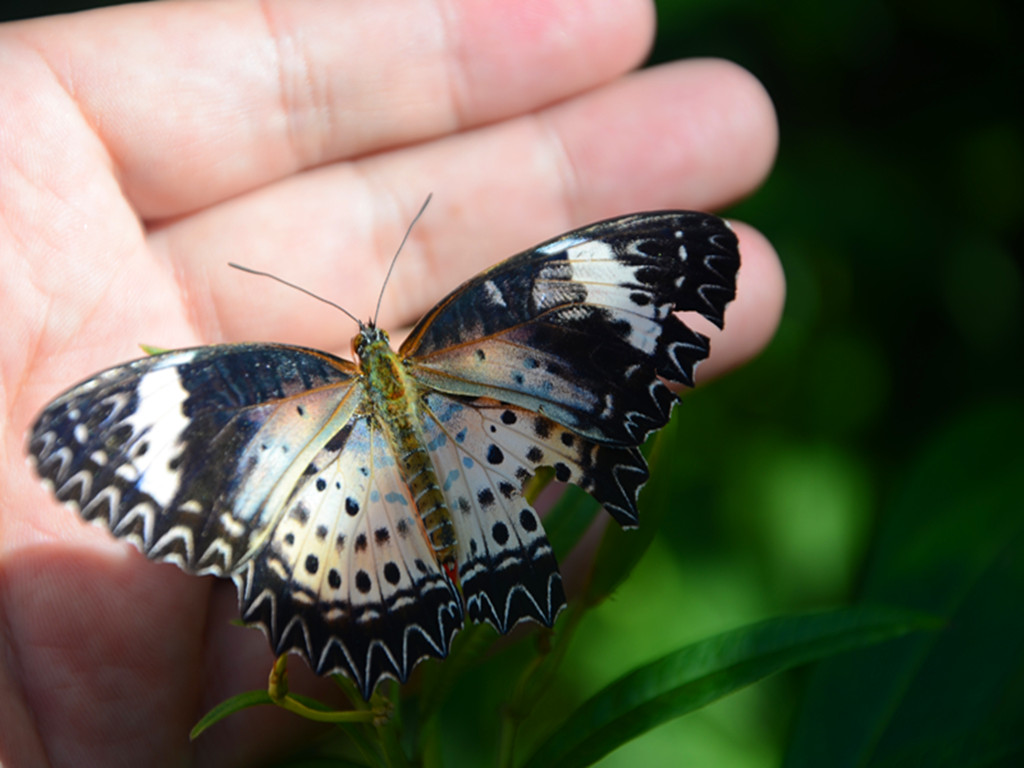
x,y
365,509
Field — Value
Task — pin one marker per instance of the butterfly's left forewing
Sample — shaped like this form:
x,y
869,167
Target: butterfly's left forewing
x,y
187,453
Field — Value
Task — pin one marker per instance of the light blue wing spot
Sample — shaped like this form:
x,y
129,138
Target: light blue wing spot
x,y
444,409
452,477
396,498
451,411
374,495
562,244
437,442
467,462
461,436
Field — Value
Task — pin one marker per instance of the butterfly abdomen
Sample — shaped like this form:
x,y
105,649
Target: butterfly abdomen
x,y
393,396
418,472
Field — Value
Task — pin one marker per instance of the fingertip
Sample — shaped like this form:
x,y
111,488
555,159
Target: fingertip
x,y
754,316
747,114
727,128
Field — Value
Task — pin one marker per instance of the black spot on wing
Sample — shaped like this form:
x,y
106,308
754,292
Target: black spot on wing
x,y
500,533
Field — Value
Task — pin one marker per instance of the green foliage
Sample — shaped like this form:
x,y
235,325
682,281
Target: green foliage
x,y
950,543
227,708
700,673
681,682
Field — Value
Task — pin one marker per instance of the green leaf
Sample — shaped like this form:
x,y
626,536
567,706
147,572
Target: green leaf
x,y
700,673
227,708
952,544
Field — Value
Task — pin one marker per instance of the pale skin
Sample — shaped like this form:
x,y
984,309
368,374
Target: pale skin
x,y
142,148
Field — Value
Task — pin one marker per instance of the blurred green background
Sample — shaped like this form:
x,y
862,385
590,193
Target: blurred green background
x,y
874,452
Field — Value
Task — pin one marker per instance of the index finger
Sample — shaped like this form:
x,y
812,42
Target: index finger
x,y
197,102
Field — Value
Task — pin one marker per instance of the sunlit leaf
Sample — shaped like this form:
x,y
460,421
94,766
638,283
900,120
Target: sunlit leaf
x,y
229,707
700,673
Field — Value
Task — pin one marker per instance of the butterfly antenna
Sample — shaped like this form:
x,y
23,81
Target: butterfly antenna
x,y
395,258
281,280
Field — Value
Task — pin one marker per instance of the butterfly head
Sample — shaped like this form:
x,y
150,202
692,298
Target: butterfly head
x,y
369,339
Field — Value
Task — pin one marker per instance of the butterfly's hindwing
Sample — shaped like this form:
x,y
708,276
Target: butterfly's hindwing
x,y
582,326
489,450
506,566
348,577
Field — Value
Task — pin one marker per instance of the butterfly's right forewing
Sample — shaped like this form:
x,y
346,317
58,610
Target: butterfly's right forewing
x,y
582,328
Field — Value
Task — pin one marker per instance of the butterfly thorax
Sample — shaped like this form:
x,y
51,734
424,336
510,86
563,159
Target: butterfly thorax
x,y
392,397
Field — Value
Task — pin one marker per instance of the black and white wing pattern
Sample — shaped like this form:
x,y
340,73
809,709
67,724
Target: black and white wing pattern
x,y
363,509
560,357
259,462
581,328
347,578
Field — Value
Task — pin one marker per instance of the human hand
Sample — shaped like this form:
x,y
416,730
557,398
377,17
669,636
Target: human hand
x,y
141,148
